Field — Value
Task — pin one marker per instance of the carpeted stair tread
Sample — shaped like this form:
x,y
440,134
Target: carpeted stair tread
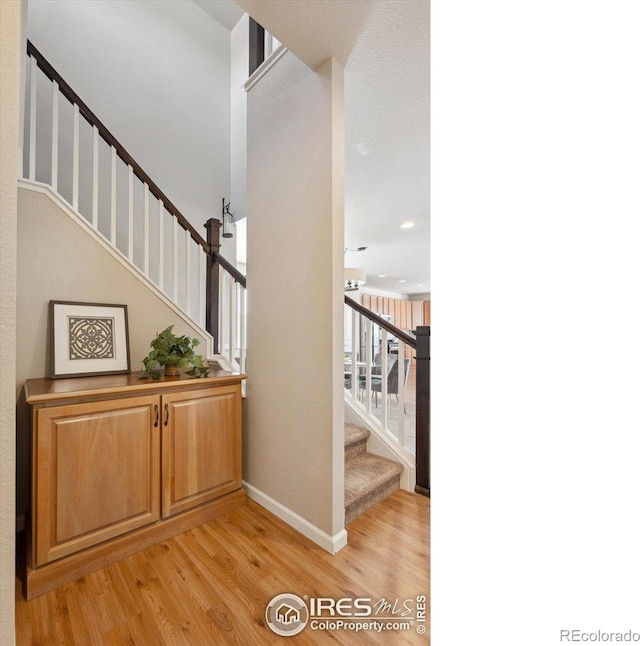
x,y
355,440
354,434
365,473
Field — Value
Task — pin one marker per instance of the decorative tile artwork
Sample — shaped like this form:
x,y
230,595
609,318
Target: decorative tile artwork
x,y
91,338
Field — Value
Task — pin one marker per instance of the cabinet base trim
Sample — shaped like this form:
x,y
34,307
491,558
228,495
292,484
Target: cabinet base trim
x,y
50,576
332,544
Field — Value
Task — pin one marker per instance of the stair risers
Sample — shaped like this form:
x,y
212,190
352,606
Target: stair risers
x,y
368,478
361,505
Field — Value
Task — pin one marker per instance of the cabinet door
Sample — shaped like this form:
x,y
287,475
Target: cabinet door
x,y
416,314
96,473
201,446
427,313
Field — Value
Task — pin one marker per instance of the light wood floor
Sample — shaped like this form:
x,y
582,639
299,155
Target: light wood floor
x,y
211,585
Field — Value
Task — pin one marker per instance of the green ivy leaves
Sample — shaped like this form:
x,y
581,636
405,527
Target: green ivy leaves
x,y
171,350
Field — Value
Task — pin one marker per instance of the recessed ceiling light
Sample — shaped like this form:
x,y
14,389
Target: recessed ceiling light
x,y
402,281
407,225
419,285
382,275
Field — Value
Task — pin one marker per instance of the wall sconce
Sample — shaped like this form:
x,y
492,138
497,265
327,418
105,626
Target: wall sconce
x,y
227,220
353,278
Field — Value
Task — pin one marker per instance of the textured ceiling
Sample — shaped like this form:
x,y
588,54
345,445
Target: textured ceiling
x,y
314,30
384,45
387,148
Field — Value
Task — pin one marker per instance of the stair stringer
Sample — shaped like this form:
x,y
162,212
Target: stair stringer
x,y
386,447
78,219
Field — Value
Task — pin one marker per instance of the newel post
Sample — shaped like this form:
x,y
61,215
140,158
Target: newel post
x,y
213,227
423,410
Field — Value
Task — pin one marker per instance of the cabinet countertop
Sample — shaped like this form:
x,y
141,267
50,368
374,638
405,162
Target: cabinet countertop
x,y
48,390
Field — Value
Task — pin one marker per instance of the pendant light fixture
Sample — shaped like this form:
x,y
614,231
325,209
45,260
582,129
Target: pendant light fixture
x,y
227,220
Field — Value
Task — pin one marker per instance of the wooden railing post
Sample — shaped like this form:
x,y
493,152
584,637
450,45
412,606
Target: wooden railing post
x,y
423,410
213,281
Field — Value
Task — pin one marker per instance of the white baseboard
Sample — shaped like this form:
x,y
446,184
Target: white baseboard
x,y
332,544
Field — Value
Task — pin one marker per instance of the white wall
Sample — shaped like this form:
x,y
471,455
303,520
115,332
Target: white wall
x,y
10,14
238,75
157,75
294,436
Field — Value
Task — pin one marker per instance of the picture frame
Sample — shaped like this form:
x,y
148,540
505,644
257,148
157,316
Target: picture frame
x,y
88,339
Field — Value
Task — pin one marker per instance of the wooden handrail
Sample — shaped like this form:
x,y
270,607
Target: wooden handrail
x,y
385,325
235,274
65,88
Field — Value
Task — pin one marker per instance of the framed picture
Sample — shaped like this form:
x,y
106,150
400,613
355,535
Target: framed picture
x,y
88,339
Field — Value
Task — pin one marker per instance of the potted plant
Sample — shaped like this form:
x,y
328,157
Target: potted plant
x,y
174,352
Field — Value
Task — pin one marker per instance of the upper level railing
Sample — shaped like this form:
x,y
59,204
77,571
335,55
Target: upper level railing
x,y
261,45
382,381
68,148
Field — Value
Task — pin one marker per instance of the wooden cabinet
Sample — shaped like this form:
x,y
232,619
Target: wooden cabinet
x,y
119,464
200,457
417,318
427,313
97,474
407,315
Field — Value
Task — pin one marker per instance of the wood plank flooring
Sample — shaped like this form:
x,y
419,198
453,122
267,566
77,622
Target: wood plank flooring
x,y
210,586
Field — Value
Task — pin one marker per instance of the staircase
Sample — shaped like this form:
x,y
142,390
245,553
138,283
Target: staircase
x,y
136,222
106,191
368,478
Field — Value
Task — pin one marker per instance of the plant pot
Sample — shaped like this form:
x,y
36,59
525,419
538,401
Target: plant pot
x,y
171,371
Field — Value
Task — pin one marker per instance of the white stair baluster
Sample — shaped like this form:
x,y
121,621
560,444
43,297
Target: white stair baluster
x,y
76,156
401,375
161,245
112,233
146,230
354,353
243,326
175,260
383,376
233,307
369,360
202,268
130,229
32,119
187,304
55,111
94,210
222,321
